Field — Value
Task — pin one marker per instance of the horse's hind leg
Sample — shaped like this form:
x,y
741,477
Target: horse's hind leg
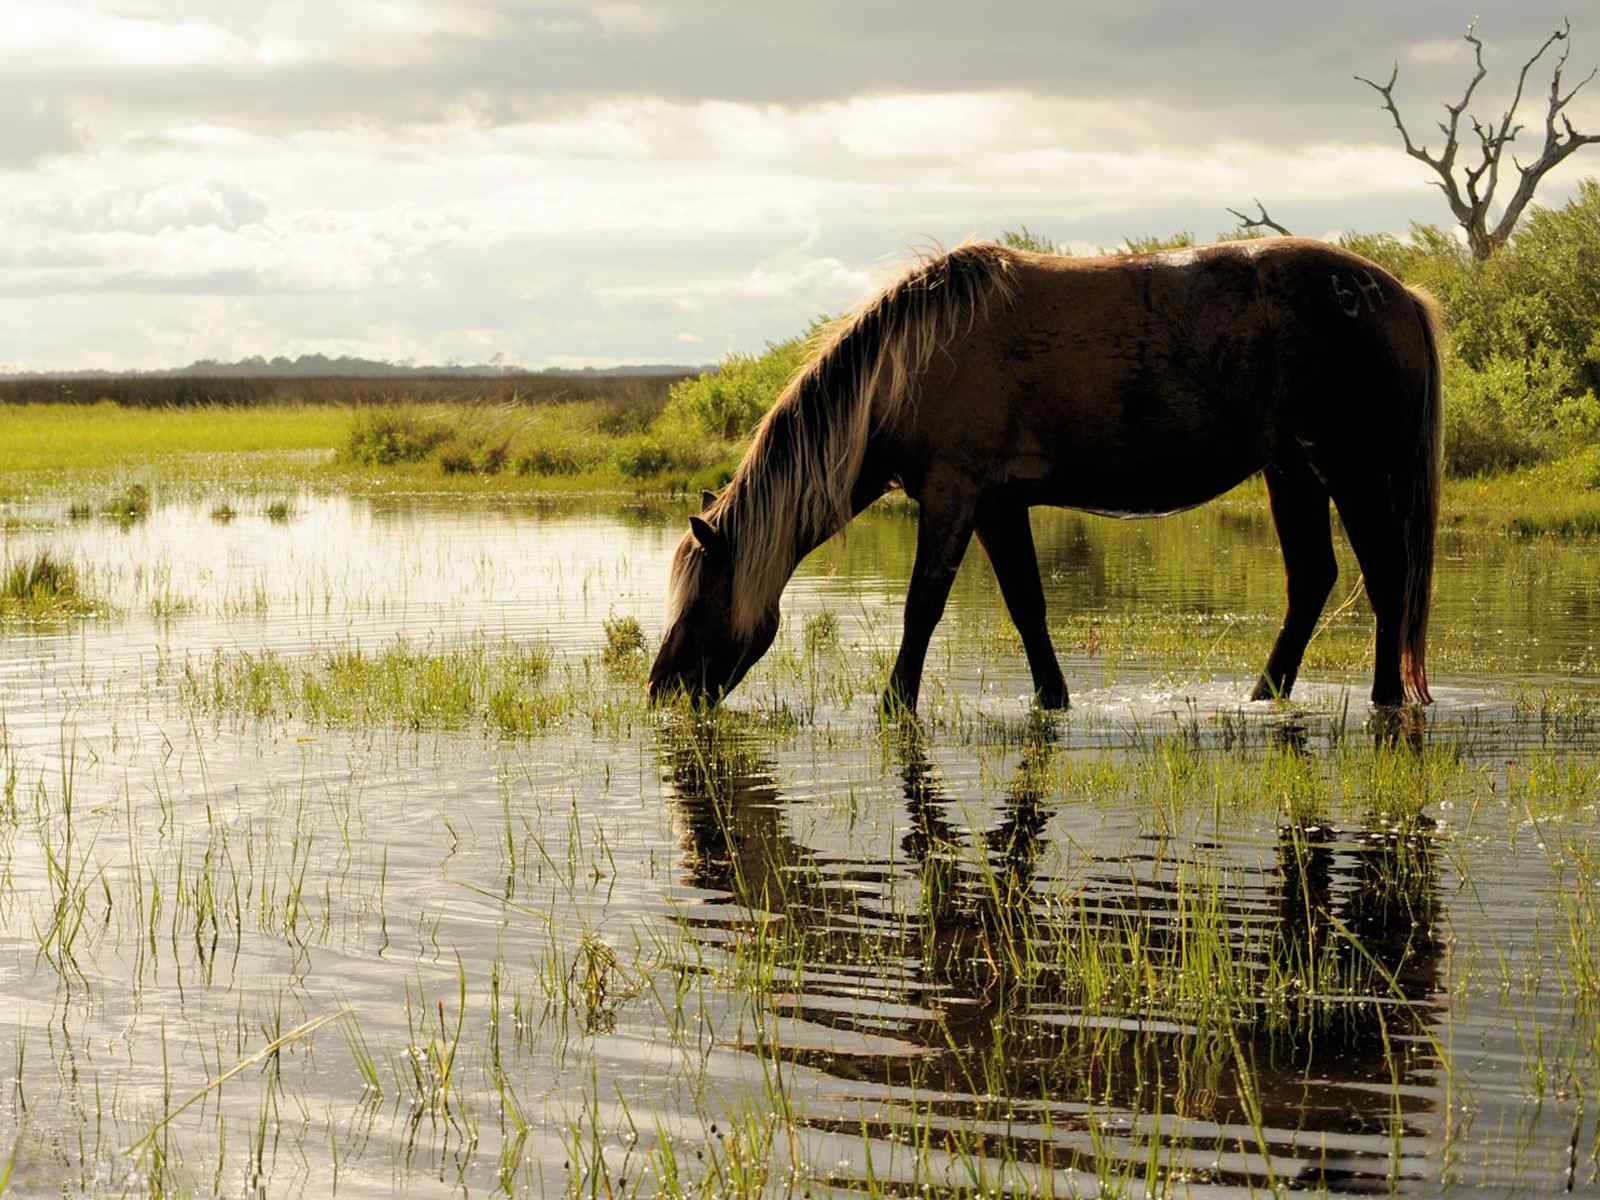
x,y
1008,540
943,530
1379,542
1300,511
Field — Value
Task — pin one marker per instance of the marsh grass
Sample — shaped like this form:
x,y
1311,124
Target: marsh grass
x,y
1143,1009
128,506
43,587
565,440
993,951
502,688
104,437
1559,499
624,641
381,437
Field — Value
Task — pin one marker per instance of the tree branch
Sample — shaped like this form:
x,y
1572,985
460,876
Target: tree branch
x,y
1261,222
1556,148
1481,180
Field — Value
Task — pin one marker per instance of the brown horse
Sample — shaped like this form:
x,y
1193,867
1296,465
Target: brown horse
x,y
990,380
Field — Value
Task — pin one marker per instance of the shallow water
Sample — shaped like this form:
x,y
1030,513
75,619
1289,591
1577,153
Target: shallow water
x,y
587,958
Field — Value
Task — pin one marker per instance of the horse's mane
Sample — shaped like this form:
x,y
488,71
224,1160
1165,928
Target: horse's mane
x,y
793,487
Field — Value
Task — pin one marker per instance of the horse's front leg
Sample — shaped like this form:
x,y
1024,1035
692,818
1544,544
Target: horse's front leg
x,y
943,530
1008,540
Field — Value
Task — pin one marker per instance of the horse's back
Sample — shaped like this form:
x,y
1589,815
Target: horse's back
x,y
1142,383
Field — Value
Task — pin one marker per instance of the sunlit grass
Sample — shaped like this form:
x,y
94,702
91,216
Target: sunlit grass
x,y
42,587
555,447
97,437
502,688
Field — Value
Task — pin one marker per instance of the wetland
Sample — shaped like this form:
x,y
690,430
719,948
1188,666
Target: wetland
x,y
340,854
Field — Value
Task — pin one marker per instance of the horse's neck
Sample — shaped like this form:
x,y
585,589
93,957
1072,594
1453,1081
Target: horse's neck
x,y
783,553
871,484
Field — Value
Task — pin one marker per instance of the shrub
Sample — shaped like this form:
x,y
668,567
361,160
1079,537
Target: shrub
x,y
393,434
455,459
549,460
462,456
649,455
1154,245
727,403
1023,238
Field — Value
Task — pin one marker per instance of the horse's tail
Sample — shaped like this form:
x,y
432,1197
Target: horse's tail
x,y
1417,502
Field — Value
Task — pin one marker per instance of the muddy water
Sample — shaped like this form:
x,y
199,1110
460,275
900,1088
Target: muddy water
x,y
569,959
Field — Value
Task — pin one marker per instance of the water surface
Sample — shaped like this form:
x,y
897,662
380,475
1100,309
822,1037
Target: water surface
x,y
856,955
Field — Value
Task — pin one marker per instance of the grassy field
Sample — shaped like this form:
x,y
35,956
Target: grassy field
x,y
88,453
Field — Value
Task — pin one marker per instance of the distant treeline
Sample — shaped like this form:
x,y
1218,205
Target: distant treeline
x,y
320,366
647,391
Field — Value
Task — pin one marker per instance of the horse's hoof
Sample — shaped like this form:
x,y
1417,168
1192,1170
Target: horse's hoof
x,y
1052,701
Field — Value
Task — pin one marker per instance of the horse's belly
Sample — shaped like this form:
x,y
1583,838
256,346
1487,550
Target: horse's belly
x,y
1145,484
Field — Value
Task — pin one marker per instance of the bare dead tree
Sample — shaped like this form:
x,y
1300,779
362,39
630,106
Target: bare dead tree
x,y
1262,222
1470,197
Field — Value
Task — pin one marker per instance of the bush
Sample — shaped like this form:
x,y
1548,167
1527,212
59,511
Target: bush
x,y
393,434
668,448
643,456
727,403
1522,355
548,460
560,452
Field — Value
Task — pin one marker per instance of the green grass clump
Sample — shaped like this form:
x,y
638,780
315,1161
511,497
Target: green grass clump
x,y
392,434
645,456
469,458
624,640
223,512
129,505
80,510
821,633
42,588
550,460
503,688
278,512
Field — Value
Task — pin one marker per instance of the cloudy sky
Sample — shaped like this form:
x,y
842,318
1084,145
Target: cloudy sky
x,y
605,182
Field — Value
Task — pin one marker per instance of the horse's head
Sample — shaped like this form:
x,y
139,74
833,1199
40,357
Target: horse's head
x,y
704,653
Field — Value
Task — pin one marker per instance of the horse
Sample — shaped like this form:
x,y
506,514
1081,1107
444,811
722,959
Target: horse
x,y
987,380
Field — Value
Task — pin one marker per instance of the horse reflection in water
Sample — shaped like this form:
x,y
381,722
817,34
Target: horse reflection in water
x,y
954,1022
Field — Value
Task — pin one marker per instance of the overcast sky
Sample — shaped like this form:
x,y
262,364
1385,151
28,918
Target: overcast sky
x,y
573,183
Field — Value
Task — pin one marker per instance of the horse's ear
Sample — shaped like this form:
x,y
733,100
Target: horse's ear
x,y
711,541
707,499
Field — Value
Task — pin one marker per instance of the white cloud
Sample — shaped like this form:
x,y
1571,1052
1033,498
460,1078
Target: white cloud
x,y
580,181
72,35
31,130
